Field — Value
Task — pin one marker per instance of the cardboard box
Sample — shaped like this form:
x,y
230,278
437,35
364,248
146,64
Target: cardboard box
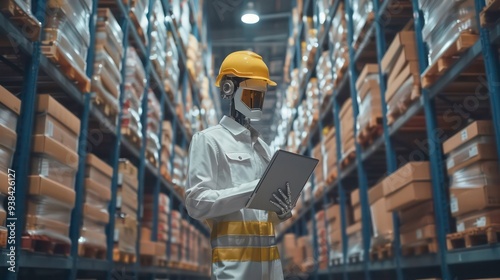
x,y
54,149
35,224
8,139
96,190
467,200
48,167
290,244
102,172
47,104
419,222
148,248
401,63
409,195
10,101
161,249
410,214
346,107
3,216
405,74
472,131
127,168
368,69
418,234
355,200
477,174
352,229
40,186
376,192
95,214
145,233
404,40
125,234
381,218
415,171
372,88
478,219
475,152
357,214
4,183
48,126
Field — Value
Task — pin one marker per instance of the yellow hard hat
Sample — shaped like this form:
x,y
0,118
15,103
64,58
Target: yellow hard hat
x,y
244,64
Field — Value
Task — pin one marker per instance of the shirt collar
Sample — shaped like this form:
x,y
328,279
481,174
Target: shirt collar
x,y
234,127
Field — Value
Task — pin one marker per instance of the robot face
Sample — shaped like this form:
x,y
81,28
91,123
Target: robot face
x,y
249,98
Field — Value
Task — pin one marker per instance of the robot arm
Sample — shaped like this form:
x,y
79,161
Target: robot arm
x,y
203,198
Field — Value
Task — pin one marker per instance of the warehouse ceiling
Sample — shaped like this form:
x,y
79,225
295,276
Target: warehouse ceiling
x,y
268,38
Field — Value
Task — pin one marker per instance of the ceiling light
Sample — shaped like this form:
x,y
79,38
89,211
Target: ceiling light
x,y
250,16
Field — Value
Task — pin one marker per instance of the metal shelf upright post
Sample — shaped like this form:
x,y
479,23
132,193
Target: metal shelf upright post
x,y
314,232
390,152
24,130
362,176
115,155
435,152
492,65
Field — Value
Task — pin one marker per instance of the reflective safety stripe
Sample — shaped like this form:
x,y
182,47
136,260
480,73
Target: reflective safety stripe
x,y
252,254
243,228
243,241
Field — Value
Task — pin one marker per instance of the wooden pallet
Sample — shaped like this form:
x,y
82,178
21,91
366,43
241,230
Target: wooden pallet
x,y
490,14
3,237
473,237
355,258
153,261
45,244
79,77
123,257
337,261
381,252
428,246
91,251
173,264
370,132
448,58
29,25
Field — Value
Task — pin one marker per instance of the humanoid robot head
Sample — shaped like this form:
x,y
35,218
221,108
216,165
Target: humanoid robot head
x,y
243,78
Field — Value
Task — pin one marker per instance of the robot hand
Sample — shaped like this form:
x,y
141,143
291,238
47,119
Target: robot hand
x,y
285,205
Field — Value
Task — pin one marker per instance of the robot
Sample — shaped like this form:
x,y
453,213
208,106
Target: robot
x,y
225,164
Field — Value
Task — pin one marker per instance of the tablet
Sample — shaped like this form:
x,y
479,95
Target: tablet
x,y
283,167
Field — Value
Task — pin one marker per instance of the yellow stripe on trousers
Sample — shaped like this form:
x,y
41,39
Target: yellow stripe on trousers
x,y
243,228
248,254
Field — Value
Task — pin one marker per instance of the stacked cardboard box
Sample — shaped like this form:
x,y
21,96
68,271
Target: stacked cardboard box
x,y
95,208
330,156
54,163
333,218
135,82
369,119
305,253
338,39
319,177
288,252
382,222
400,64
138,14
325,76
409,191
125,235
308,112
10,107
171,83
363,15
166,150
353,231
66,37
179,175
20,13
322,237
153,129
347,131
108,63
126,197
163,217
472,162
158,52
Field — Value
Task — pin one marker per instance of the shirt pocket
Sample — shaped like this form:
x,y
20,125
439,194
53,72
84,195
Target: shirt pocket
x,y
240,167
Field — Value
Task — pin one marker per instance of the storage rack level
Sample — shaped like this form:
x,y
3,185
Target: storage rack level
x,y
475,262
38,73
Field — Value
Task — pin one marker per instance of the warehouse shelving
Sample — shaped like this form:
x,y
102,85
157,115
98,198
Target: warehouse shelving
x,y
80,103
446,263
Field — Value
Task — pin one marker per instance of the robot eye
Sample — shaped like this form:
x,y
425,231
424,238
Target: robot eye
x,y
253,99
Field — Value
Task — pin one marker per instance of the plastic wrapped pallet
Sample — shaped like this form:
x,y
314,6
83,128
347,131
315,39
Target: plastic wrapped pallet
x,y
382,221
126,198
445,21
125,236
325,77
338,39
362,15
158,40
370,107
9,112
355,242
138,11
66,36
153,129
